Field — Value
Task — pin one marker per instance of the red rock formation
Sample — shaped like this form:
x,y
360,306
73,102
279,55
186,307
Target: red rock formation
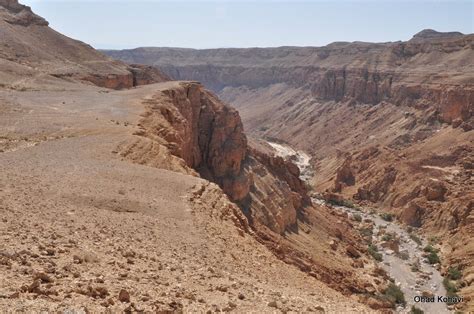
x,y
205,133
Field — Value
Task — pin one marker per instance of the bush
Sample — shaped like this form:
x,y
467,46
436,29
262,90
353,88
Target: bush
x,y
415,310
386,216
366,232
415,238
415,267
373,251
433,258
450,287
430,249
387,237
404,255
395,294
345,203
454,273
357,217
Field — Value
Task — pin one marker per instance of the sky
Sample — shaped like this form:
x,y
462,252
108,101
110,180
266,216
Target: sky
x,y
120,24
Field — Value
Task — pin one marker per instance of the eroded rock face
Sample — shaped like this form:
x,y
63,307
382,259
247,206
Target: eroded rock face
x,y
363,72
208,135
344,176
19,14
190,123
277,194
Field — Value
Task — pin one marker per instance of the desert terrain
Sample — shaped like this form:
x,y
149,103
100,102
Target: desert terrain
x,y
388,126
124,191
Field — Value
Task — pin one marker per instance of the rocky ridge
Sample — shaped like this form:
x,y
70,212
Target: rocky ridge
x,y
36,54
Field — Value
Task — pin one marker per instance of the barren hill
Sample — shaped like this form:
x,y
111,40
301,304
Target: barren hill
x,y
389,125
151,198
32,52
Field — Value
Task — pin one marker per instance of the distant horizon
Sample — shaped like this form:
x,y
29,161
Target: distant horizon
x,y
268,47
221,24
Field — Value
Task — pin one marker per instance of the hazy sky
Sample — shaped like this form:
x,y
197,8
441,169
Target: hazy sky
x,y
209,24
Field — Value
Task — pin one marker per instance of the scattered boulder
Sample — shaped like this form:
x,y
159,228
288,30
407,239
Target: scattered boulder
x,y
124,296
352,252
435,191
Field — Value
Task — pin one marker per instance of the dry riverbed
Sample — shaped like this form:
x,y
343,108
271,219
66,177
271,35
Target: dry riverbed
x,y
399,251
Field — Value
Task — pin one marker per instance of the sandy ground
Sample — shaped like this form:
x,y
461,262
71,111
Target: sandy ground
x,y
81,229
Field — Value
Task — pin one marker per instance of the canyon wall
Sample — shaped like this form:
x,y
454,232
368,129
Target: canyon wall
x,y
431,70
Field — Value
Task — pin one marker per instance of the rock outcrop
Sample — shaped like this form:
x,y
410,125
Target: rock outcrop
x,y
19,14
29,47
208,135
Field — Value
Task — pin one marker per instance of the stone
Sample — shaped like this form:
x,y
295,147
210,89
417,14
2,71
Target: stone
x,y
352,252
124,296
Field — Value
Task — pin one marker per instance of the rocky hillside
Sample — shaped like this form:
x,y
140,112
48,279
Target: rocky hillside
x,y
389,125
33,53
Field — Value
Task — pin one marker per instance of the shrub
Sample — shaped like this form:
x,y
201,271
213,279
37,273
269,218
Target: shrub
x,y
386,216
357,217
415,310
404,255
454,273
450,287
345,203
430,249
387,237
395,294
433,258
373,251
366,232
415,267
415,238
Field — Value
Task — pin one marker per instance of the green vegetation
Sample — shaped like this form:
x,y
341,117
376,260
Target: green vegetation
x,y
357,217
394,294
366,232
386,216
415,238
454,273
387,237
373,251
450,287
430,249
434,240
415,310
403,255
345,203
415,267
433,258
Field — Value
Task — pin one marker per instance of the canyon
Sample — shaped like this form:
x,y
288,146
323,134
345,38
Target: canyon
x,y
124,191
388,126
